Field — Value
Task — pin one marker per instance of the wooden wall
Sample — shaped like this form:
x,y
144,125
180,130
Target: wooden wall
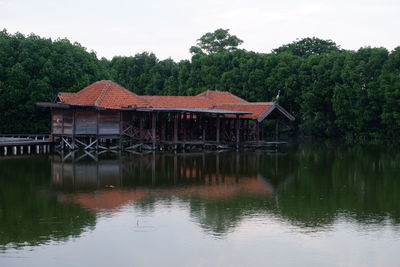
x,y
87,122
109,122
62,122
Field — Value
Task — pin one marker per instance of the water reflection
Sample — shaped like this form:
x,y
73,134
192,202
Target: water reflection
x,y
309,188
29,213
206,182
312,186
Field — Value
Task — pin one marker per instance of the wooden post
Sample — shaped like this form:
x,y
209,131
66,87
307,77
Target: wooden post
x,y
276,129
184,126
242,126
218,128
153,129
262,131
176,130
191,126
237,131
73,129
247,130
141,127
163,126
257,129
203,123
120,129
97,131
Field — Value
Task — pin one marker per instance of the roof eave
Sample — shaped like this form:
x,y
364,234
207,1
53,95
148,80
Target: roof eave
x,y
281,109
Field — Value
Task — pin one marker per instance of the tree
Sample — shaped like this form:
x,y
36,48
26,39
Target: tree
x,y
215,42
308,46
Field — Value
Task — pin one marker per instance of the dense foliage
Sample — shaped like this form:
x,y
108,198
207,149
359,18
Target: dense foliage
x,y
332,92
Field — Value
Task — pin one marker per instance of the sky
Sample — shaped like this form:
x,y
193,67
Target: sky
x,y
169,28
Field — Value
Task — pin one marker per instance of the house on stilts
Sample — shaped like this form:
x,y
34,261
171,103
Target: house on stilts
x,y
105,115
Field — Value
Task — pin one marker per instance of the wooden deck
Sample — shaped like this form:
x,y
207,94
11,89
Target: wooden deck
x,y
25,144
38,144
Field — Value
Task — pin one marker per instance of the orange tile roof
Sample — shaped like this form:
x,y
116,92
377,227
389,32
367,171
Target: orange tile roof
x,y
107,94
178,101
103,94
222,97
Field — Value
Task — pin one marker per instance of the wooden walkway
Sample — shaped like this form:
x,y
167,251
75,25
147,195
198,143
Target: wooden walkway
x,y
38,144
22,144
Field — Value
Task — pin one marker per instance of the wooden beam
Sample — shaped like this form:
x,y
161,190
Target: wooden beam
x,y
247,130
176,128
184,126
163,126
141,127
73,129
191,124
237,131
218,128
203,123
153,129
276,129
97,130
257,130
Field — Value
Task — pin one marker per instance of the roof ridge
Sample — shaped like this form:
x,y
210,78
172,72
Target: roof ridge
x,y
247,104
133,94
102,94
174,96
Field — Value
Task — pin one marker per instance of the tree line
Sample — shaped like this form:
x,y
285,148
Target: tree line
x,y
332,92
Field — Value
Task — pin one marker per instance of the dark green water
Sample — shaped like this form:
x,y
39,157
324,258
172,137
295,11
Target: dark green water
x,y
314,204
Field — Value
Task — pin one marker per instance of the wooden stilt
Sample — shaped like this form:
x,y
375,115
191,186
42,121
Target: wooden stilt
x,y
237,131
203,126
163,126
153,129
276,129
176,130
257,130
218,128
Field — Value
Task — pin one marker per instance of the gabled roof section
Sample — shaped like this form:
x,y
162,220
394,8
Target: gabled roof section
x,y
103,94
221,97
258,110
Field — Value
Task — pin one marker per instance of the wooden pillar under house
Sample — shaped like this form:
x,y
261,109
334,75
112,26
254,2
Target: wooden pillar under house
x,y
120,129
247,130
73,129
237,131
203,126
153,129
184,126
176,129
257,130
97,129
276,129
191,124
218,128
141,127
163,127
243,132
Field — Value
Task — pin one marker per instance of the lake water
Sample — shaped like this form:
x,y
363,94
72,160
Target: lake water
x,y
313,204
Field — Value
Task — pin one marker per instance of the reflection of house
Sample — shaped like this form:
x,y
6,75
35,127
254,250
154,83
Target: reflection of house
x,y
105,110
114,183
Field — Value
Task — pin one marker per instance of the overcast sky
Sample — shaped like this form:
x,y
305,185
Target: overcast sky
x,y
168,28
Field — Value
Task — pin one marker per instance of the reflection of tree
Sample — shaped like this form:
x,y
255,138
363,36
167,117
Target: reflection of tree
x,y
29,215
311,186
221,217
357,182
